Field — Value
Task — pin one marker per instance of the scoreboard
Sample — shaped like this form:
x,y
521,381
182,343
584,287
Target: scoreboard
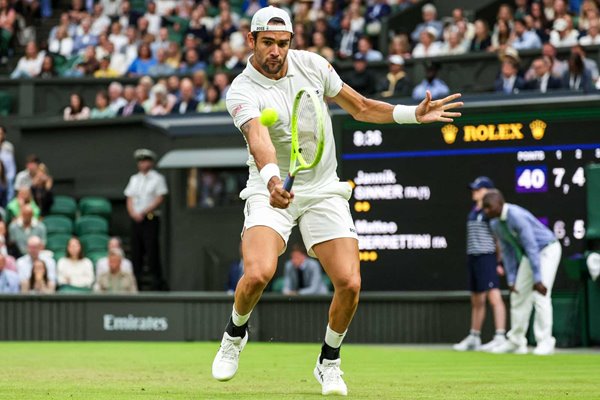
x,y
410,199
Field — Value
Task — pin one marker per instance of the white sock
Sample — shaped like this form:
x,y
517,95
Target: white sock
x,y
473,332
237,319
334,339
500,332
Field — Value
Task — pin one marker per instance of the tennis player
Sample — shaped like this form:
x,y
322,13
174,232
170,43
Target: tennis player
x,y
319,201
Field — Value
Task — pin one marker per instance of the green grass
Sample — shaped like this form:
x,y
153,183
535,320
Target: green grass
x,y
284,371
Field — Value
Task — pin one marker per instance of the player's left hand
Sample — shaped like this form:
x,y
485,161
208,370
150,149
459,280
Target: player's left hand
x,y
438,110
540,288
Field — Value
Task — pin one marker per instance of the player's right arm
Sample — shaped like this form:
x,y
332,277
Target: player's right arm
x,y
262,150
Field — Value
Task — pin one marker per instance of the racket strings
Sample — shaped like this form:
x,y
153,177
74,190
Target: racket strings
x,y
307,130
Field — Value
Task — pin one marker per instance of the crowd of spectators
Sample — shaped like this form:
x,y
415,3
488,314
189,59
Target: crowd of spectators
x,y
187,52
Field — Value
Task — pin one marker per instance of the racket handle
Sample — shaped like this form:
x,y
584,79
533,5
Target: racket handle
x,y
289,181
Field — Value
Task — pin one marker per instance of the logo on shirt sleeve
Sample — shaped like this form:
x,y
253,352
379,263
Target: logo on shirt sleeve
x,y
236,110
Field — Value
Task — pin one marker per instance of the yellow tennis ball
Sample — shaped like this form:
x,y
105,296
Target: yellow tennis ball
x,y
268,116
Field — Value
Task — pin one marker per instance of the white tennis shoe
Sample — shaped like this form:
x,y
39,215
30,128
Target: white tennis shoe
x,y
497,341
470,343
510,347
226,361
329,376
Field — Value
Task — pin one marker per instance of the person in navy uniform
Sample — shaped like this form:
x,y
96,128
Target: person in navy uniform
x,y
483,270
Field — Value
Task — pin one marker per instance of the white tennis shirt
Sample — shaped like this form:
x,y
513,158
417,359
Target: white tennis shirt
x,y
251,92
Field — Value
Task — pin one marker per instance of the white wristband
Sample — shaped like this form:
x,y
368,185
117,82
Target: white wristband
x,y
269,171
405,114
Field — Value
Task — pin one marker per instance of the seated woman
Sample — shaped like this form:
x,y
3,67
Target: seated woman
x,y
213,101
75,269
76,110
41,190
142,64
24,196
102,110
38,283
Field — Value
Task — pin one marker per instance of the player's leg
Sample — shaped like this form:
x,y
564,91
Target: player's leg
x,y
340,260
265,234
328,233
542,323
521,305
491,281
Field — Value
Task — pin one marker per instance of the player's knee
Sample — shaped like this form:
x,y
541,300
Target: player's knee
x,y
350,285
258,279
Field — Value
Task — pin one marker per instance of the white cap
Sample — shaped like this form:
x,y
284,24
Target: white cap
x,y
260,20
560,24
396,59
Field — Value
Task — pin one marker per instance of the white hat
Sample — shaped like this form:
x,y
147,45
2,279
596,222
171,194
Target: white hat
x,y
431,31
260,20
396,59
560,25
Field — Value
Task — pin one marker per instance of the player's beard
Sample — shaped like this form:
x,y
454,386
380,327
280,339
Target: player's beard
x,y
272,68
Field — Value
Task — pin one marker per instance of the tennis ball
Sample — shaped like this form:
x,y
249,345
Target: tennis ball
x,y
268,116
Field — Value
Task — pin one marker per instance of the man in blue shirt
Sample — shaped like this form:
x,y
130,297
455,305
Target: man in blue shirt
x,y
483,271
531,256
9,280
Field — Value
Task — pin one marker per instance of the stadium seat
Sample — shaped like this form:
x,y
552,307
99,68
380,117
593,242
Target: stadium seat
x,y
91,224
64,205
277,285
592,173
73,289
95,206
5,103
95,255
58,224
57,242
94,242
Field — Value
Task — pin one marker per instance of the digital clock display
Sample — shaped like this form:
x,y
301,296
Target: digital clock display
x,y
410,200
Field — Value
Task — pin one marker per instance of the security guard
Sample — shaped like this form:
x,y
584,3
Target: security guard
x,y
145,193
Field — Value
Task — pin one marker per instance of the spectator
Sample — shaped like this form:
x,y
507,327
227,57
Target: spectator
x,y
101,22
24,227
461,24
303,274
7,157
128,17
115,90
41,190
509,81
76,110
192,63
132,107
142,94
357,21
48,70
360,78
116,279
221,81
482,40
77,11
454,45
187,103
34,252
531,259
174,55
161,42
197,26
577,77
8,18
160,101
65,21
346,39
365,48
542,80
114,243
563,34
23,198
102,109
400,45
84,36
75,269
539,23
427,46
236,270
436,86
105,71
145,193
395,83
117,38
9,280
25,178
213,101
593,34
154,20
4,186
523,38
131,48
38,282
557,68
142,64
105,47
500,36
62,44
111,7
429,14
30,64
320,47
161,68
504,23
589,64
89,64
587,14
560,8
199,80
376,12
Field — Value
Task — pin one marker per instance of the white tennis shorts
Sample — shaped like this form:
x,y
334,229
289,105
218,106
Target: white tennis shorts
x,y
319,218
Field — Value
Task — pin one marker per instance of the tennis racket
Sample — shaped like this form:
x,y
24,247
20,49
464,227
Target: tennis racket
x,y
308,134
